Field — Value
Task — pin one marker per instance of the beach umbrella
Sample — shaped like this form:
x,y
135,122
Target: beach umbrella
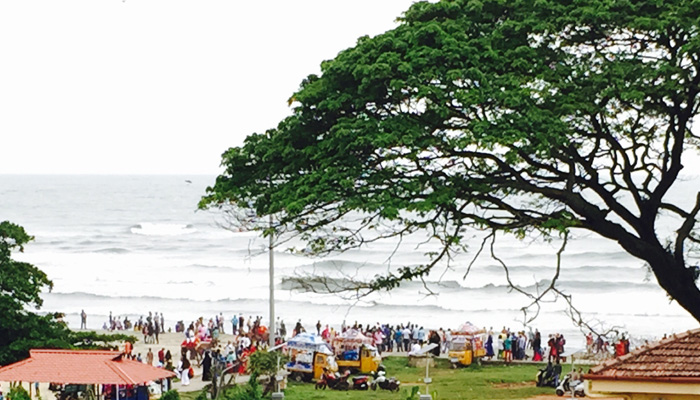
x,y
469,329
308,341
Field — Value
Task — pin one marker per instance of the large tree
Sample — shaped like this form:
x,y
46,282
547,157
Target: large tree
x,y
524,117
21,285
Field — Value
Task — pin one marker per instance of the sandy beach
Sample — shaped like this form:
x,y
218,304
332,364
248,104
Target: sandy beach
x,y
172,342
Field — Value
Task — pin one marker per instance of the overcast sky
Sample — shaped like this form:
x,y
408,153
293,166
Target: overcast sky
x,y
159,86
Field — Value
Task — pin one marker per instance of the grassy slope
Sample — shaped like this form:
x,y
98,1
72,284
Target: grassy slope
x,y
474,382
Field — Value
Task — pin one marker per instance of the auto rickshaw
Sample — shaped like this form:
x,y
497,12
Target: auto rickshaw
x,y
355,352
466,346
310,357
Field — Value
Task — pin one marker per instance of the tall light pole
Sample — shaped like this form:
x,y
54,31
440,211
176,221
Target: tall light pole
x,y
272,330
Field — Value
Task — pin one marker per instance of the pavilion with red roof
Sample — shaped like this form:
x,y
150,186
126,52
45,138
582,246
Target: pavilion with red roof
x,y
85,367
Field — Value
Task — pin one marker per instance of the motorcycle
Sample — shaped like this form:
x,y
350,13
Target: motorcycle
x,y
360,382
544,377
333,381
381,381
567,386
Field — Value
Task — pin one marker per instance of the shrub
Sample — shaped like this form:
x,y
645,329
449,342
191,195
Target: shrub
x,y
170,395
18,393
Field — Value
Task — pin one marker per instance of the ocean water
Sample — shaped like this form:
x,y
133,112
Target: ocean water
x,y
134,244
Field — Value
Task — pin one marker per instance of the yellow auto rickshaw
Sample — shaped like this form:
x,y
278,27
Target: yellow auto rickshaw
x,y
310,357
466,345
354,352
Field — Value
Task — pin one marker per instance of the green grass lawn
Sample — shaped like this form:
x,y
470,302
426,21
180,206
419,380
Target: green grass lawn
x,y
473,382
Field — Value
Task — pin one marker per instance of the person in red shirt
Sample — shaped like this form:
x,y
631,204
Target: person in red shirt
x,y
161,356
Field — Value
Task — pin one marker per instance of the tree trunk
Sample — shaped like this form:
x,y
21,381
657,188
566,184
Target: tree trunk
x,y
678,281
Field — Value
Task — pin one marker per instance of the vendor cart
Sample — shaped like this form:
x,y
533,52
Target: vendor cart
x,y
310,357
466,345
354,352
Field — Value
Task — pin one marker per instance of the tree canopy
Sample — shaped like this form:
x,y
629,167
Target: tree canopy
x,y
20,287
523,117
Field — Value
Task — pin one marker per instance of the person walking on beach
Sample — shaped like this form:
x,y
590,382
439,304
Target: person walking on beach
x,y
161,356
507,348
553,355
184,370
398,339
283,330
406,336
537,347
489,346
522,345
83,320
149,357
168,361
434,338
206,367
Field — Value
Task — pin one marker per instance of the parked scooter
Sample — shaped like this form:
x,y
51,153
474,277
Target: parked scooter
x,y
385,383
360,382
333,380
545,377
566,386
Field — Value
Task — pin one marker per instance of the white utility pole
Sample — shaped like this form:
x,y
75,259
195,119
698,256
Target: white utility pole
x,y
272,330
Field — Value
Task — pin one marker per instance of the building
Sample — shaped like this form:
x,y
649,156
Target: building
x,y
96,368
666,370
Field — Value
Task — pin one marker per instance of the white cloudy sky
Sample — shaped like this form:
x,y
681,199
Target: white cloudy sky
x,y
159,86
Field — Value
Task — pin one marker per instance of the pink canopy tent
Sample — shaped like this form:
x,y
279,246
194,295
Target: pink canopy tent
x,y
354,336
468,329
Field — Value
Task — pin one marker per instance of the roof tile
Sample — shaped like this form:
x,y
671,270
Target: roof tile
x,y
675,357
81,367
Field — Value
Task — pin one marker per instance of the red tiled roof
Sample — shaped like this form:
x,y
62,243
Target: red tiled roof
x,y
675,359
81,367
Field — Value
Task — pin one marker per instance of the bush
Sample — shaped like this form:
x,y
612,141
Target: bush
x,y
249,391
263,362
202,395
18,393
170,395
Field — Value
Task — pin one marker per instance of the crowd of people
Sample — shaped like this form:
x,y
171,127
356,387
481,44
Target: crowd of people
x,y
249,334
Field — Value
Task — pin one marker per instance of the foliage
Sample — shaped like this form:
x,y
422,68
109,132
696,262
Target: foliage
x,y
170,395
517,117
250,391
90,340
412,393
263,362
20,283
17,392
20,287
